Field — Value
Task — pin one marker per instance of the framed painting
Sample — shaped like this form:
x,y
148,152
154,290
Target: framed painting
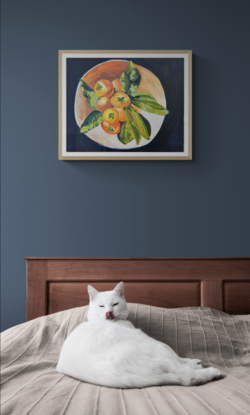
x,y
125,105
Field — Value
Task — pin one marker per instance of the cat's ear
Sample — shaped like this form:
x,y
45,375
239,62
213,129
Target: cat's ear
x,y
92,292
119,289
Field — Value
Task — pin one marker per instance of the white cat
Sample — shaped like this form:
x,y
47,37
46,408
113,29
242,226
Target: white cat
x,y
108,350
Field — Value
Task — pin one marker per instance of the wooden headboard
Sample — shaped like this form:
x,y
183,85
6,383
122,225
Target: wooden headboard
x,y
56,284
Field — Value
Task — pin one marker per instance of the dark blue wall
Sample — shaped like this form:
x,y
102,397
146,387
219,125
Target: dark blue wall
x,y
122,208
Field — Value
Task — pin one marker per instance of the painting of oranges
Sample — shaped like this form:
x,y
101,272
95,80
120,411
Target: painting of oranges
x,y
125,105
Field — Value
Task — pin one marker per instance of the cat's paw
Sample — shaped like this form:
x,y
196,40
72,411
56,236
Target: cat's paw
x,y
195,364
215,373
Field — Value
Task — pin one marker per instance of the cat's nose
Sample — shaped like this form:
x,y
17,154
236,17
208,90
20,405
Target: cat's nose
x,y
109,315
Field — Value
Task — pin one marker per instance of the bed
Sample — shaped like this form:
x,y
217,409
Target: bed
x,y
200,307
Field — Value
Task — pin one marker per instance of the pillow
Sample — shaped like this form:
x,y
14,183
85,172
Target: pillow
x,y
202,333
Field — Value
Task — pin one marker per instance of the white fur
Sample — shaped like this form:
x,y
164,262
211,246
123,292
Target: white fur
x,y
113,353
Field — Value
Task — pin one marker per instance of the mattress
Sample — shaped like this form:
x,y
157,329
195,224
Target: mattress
x,y
30,384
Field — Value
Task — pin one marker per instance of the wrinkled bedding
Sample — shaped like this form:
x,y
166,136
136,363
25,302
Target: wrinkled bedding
x,y
31,385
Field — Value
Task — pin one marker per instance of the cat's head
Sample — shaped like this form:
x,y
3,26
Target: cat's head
x,y
108,305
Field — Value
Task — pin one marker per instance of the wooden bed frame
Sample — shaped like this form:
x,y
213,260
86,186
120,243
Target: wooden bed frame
x,y
56,284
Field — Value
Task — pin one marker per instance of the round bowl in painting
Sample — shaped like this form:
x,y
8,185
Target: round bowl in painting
x,y
112,70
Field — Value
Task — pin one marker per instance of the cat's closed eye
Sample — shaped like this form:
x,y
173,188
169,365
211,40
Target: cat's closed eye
x,y
101,305
115,304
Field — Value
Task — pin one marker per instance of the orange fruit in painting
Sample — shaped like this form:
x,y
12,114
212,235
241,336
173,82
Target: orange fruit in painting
x,y
111,129
103,103
117,85
120,100
104,87
111,116
136,108
122,114
110,93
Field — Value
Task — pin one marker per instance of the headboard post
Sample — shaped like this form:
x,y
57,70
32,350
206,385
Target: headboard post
x,y
37,276
212,294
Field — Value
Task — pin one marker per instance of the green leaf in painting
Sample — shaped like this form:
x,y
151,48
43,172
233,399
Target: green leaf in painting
x,y
92,100
125,82
128,133
91,121
137,133
90,94
134,77
86,88
130,79
142,124
148,103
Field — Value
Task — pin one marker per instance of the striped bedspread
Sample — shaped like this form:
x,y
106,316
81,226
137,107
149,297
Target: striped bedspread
x,y
30,384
